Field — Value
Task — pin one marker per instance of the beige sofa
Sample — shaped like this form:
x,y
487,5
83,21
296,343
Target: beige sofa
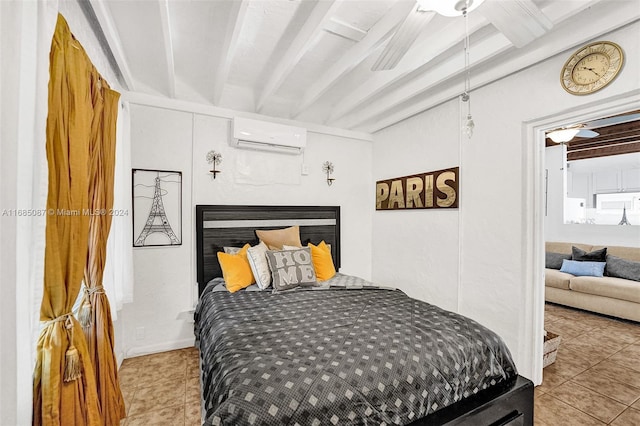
x,y
606,295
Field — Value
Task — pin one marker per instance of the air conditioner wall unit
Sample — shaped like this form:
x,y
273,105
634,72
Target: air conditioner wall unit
x,y
265,136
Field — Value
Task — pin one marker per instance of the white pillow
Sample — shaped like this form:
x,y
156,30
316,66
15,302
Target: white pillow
x,y
257,256
232,250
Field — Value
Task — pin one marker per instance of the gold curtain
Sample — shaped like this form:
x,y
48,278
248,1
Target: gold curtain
x,y
65,389
95,311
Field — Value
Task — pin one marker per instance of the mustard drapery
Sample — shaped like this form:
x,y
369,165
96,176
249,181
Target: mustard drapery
x,y
65,387
95,311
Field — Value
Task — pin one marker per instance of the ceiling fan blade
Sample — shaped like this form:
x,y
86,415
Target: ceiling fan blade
x,y
586,133
402,40
521,21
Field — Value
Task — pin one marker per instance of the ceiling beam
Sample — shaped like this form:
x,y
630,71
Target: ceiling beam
x,y
618,149
167,42
380,32
403,39
449,70
519,20
344,30
420,54
113,39
575,145
571,35
303,42
182,106
234,27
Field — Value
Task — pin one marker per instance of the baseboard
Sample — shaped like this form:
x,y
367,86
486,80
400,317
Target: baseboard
x,y
160,347
120,358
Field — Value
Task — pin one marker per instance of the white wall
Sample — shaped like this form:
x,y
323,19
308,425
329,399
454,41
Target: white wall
x,y
487,233
557,230
167,139
25,37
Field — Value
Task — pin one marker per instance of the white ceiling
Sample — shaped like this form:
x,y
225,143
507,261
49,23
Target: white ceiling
x,y
311,60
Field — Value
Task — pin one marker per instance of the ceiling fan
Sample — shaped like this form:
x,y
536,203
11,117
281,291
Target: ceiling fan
x,y
520,21
408,31
584,130
565,134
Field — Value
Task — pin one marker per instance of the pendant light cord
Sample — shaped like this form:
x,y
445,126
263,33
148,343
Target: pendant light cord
x,y
467,77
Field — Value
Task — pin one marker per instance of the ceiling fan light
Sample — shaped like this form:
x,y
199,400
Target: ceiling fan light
x,y
449,7
562,135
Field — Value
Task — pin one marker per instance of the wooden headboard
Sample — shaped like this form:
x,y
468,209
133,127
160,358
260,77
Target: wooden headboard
x,y
219,226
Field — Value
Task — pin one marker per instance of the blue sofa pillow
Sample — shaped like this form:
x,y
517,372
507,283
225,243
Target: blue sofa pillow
x,y
583,268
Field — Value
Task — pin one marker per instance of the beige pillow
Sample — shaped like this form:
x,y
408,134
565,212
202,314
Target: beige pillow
x,y
277,238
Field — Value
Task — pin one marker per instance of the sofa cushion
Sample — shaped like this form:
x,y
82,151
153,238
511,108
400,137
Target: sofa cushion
x,y
630,253
554,260
557,279
560,247
616,288
594,256
622,268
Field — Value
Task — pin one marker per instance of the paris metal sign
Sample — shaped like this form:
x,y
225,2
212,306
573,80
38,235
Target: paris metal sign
x,y
430,190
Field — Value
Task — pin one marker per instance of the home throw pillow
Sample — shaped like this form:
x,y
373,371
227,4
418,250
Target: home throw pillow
x,y
583,268
554,260
291,268
622,268
594,256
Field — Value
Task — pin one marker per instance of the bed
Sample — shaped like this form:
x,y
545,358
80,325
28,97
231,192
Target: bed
x,y
345,352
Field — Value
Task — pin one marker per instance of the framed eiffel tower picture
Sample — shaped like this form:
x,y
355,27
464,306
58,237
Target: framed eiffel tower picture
x,y
157,208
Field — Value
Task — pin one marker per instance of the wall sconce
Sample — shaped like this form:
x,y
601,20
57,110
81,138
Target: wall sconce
x,y
214,158
327,167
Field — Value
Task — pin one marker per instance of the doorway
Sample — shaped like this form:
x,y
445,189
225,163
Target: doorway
x,y
534,167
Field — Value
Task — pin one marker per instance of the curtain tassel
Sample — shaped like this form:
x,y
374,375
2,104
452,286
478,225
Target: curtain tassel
x,y
72,366
85,312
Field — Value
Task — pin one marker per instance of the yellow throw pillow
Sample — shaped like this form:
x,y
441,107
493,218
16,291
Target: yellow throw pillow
x,y
277,238
236,270
322,261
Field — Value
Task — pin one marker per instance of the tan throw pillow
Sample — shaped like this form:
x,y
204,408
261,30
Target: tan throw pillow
x,y
277,238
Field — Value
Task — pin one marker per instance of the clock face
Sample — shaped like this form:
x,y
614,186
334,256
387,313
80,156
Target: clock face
x,y
591,68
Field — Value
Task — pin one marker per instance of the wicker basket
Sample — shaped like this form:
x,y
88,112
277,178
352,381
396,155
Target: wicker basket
x,y
551,344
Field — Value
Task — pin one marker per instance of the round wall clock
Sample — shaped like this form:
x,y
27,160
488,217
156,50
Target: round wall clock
x,y
591,68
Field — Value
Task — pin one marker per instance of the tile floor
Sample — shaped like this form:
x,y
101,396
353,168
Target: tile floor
x,y
596,377
594,381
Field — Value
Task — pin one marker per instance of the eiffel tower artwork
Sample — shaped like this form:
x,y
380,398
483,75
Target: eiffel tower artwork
x,y
624,220
157,221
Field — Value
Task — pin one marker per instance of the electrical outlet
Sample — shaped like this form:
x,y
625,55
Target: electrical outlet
x,y
140,333
305,170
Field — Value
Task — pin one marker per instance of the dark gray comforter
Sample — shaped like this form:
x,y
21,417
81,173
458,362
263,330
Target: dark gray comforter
x,y
338,356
